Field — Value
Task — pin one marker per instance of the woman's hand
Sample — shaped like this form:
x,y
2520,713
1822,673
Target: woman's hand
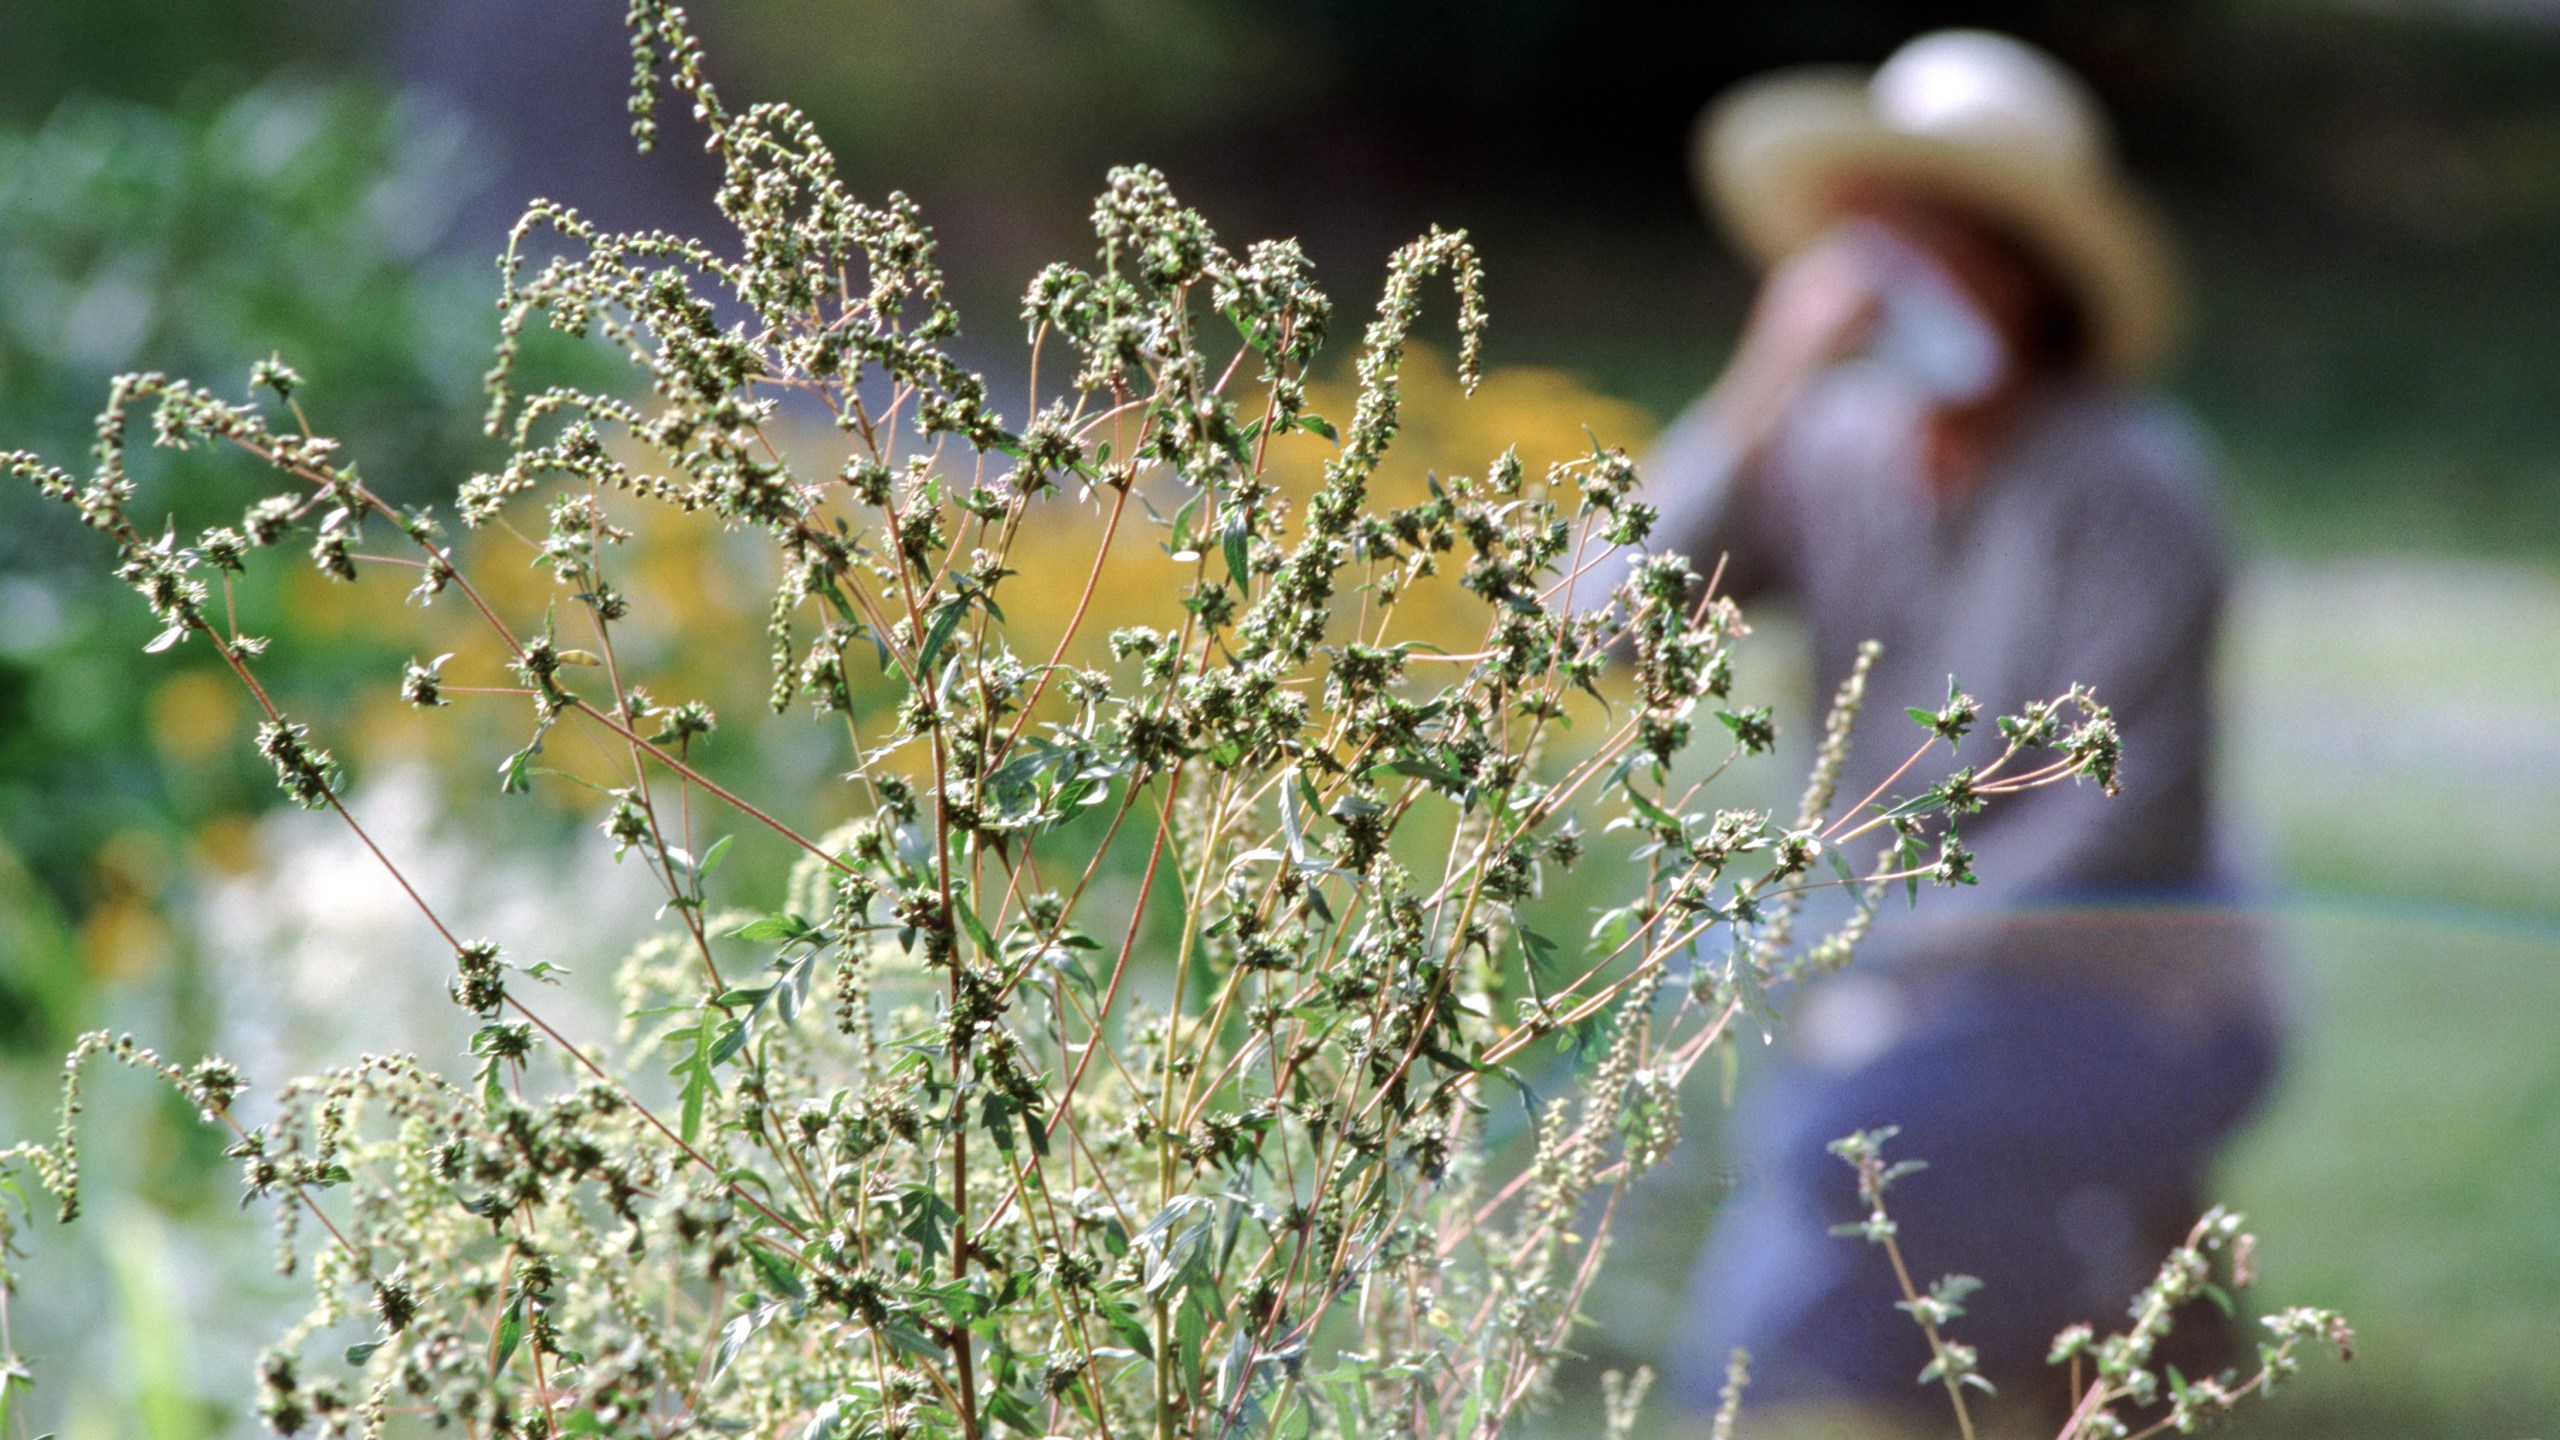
x,y
1814,308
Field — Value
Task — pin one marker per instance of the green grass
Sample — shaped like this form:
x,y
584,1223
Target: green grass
x,y
2405,1175
2390,733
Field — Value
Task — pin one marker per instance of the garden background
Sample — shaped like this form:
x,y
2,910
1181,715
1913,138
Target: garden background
x,y
2371,196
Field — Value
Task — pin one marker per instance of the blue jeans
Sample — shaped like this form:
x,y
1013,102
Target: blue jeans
x,y
2065,1141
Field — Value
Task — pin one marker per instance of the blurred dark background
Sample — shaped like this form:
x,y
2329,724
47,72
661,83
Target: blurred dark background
x,y
2370,199
2371,191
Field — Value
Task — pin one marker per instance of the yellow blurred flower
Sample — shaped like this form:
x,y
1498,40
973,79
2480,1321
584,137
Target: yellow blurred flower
x,y
195,714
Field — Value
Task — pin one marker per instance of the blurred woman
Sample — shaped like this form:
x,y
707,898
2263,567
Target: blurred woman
x,y
1933,434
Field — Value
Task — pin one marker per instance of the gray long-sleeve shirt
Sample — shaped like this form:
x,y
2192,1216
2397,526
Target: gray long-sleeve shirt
x,y
2089,551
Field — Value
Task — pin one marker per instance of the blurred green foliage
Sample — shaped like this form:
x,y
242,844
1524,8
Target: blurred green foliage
x,y
290,218
144,51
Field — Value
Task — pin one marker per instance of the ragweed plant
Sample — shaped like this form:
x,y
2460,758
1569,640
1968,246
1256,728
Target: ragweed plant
x,y
2119,1387
1119,1058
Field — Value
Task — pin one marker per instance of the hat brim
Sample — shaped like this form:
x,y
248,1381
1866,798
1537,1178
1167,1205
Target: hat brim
x,y
1775,159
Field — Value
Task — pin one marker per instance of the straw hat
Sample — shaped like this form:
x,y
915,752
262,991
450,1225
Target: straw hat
x,y
1994,125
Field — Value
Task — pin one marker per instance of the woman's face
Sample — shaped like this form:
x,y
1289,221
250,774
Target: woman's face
x,y
2010,291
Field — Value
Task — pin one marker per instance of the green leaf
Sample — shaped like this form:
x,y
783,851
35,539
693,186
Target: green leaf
x,y
1239,561
734,1035
1651,813
510,1332
976,927
1060,960
694,1070
791,992
1008,1407
826,1423
735,1334
712,857
1318,425
1291,825
515,772
945,620
777,1273
927,1216
359,1353
912,1340
1840,866
774,927
1440,775
1191,1340
1926,800
1538,953
1178,543
1122,1318
1175,1239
